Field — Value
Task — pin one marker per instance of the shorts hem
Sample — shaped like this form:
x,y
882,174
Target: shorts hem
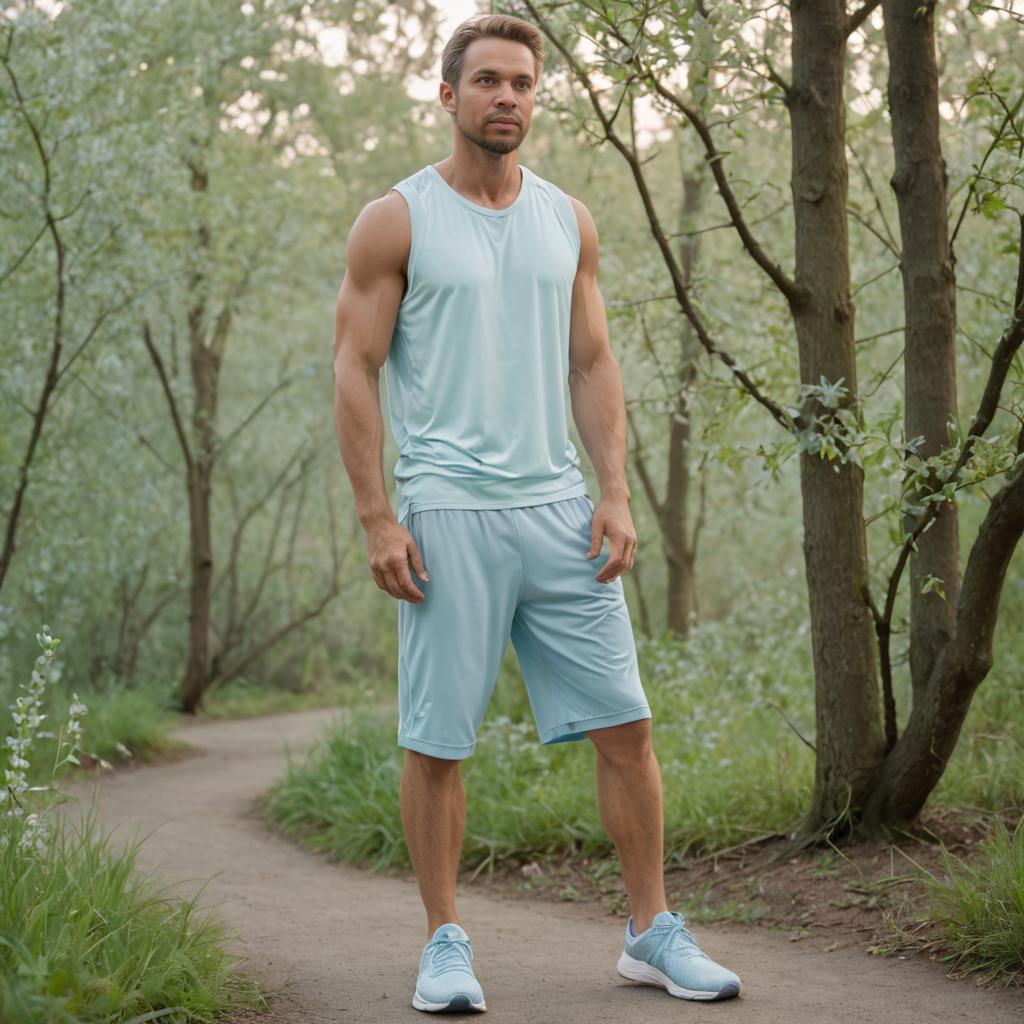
x,y
454,753
576,730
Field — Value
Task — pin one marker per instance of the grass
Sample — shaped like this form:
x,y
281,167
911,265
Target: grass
x,y
980,908
242,699
123,724
84,938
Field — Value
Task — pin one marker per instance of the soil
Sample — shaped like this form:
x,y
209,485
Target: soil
x,y
870,896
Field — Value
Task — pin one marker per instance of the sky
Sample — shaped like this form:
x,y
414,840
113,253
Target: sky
x,y
456,11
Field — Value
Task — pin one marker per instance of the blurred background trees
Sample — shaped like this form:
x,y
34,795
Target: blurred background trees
x,y
179,179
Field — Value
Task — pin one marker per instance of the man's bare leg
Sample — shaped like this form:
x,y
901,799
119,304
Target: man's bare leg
x,y
629,799
433,805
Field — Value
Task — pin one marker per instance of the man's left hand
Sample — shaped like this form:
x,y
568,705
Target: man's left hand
x,y
612,518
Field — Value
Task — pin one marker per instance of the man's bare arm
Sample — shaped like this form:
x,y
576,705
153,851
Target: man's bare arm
x,y
367,308
598,403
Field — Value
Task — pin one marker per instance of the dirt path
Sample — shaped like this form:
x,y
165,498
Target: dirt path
x,y
342,944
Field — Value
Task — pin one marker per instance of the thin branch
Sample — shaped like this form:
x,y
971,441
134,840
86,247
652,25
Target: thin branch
x,y
1002,359
996,139
715,159
891,244
859,16
179,429
681,291
642,471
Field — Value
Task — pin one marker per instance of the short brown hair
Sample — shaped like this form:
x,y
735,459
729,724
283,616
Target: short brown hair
x,y
500,26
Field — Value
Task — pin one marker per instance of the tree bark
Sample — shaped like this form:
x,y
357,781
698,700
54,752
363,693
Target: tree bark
x,y
929,298
850,743
951,641
676,535
916,763
205,367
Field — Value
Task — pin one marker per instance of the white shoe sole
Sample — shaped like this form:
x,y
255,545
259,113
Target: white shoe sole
x,y
640,970
460,1003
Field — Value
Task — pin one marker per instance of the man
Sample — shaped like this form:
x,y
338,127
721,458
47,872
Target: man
x,y
474,282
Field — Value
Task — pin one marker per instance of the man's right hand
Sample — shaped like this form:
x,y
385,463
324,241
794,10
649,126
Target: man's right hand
x,y
390,548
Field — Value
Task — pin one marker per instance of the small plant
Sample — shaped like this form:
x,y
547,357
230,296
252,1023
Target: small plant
x,y
84,937
19,799
981,907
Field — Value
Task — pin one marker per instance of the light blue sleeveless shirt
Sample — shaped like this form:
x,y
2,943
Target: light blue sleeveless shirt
x,y
477,372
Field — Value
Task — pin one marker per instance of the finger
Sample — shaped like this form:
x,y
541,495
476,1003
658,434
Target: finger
x,y
630,556
395,588
390,582
596,539
417,562
407,588
613,566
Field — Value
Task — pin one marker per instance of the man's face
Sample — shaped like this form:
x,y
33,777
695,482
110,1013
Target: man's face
x,y
496,91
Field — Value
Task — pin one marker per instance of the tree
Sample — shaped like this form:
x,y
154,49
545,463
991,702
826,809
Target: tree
x,y
866,777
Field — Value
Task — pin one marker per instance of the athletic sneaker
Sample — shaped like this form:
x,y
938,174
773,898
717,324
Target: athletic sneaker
x,y
446,980
667,954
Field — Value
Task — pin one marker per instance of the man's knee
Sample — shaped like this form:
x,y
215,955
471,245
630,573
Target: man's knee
x,y
429,764
626,743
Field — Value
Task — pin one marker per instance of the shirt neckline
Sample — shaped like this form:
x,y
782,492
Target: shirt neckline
x,y
485,210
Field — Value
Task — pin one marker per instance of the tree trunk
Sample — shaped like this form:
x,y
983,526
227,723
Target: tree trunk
x,y
205,366
951,640
916,763
675,527
850,743
929,299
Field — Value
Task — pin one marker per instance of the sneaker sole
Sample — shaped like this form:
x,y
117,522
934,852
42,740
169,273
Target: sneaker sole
x,y
647,974
460,1003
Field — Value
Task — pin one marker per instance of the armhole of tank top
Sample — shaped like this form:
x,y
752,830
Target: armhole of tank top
x,y
568,214
408,194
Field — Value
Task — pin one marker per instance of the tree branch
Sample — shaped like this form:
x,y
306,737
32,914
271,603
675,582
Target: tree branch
x,y
679,286
1002,360
179,429
715,160
859,16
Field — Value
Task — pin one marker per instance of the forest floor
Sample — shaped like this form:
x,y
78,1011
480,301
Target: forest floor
x,y
333,942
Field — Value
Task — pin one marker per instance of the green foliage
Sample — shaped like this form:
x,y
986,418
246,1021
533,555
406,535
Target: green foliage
x,y
125,106
981,907
731,765
83,937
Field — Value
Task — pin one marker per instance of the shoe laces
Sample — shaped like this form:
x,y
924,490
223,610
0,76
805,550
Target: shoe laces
x,y
679,939
450,955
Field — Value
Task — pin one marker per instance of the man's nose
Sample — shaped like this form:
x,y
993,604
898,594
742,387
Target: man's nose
x,y
507,97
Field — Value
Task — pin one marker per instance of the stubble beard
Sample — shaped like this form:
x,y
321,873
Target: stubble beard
x,y
499,146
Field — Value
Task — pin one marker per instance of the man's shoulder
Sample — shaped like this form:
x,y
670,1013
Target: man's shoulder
x,y
381,234
563,199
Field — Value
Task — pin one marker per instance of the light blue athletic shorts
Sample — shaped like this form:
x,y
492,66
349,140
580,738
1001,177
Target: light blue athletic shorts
x,y
520,573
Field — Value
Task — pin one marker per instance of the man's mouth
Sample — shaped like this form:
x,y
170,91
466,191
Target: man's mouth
x,y
504,120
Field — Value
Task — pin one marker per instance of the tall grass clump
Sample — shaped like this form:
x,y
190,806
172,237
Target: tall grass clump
x,y
83,937
980,907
